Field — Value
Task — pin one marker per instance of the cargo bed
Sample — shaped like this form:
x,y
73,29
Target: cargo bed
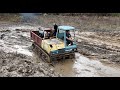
x,y
35,37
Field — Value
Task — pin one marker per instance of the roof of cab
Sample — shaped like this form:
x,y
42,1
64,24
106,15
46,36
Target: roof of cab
x,y
66,28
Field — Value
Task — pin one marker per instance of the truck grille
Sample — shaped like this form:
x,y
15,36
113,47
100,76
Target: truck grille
x,y
61,50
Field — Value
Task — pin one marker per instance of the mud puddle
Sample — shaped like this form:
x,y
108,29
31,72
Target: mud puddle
x,y
85,67
65,68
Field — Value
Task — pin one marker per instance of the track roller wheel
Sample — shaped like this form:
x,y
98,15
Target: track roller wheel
x,y
45,58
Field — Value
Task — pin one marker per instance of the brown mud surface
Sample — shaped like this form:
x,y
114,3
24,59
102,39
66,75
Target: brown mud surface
x,y
98,48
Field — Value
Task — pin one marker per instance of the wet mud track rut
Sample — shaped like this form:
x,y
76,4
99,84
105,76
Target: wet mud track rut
x,y
100,46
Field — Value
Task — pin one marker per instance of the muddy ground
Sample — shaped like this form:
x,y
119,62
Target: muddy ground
x,y
16,56
98,47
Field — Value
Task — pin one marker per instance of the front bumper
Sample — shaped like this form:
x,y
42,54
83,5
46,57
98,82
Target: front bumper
x,y
66,54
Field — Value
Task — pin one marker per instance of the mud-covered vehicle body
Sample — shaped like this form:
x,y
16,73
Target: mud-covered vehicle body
x,y
52,48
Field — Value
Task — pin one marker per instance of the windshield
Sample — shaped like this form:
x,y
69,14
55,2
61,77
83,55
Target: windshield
x,y
61,33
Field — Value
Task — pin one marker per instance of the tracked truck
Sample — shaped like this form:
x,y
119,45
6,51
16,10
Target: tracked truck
x,y
51,47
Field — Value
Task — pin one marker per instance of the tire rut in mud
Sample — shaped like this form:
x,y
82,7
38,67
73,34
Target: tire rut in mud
x,y
99,51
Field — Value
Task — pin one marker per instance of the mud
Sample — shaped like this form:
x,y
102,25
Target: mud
x,y
19,65
98,49
85,67
101,47
16,56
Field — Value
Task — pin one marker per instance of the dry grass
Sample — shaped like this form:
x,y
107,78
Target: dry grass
x,y
82,22
9,17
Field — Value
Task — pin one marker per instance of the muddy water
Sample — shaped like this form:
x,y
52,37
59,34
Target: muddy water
x,y
65,68
85,67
